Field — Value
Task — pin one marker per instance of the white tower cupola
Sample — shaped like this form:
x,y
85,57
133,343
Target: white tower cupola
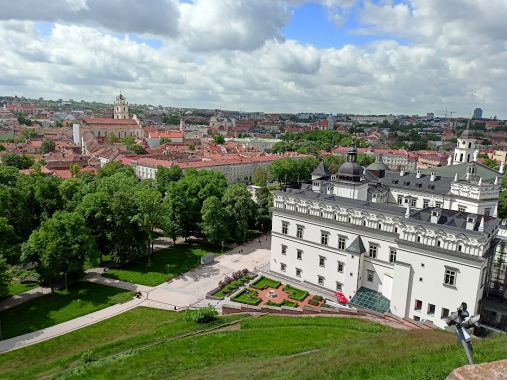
x,y
121,107
465,147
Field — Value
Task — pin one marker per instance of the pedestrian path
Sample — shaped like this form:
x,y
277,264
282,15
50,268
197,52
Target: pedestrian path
x,y
66,327
95,275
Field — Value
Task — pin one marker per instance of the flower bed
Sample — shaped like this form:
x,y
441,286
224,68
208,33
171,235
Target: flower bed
x,y
232,286
247,296
295,293
315,301
264,282
283,303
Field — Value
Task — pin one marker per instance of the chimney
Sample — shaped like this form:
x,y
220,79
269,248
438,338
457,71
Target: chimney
x,y
402,172
432,177
456,177
480,181
470,223
407,212
481,225
496,180
502,164
435,216
418,174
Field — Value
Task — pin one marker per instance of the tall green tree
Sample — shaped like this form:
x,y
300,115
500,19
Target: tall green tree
x,y
8,241
263,209
47,146
260,176
214,220
114,167
5,277
71,191
8,175
60,247
149,215
218,139
19,161
239,207
164,176
174,212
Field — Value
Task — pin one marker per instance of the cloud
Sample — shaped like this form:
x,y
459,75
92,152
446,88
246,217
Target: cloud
x,y
233,55
158,17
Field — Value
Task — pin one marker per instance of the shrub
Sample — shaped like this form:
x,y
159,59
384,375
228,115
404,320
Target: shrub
x,y
313,302
247,296
318,298
264,282
295,293
88,357
203,315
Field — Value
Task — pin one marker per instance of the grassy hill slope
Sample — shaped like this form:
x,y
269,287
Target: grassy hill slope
x,y
151,344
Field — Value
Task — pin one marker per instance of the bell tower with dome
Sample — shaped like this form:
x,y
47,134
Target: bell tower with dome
x,y
121,107
465,148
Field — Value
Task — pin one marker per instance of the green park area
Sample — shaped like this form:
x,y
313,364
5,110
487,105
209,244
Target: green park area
x,y
164,266
50,309
148,343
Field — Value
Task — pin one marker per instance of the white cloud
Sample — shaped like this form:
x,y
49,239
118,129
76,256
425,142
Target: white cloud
x,y
232,54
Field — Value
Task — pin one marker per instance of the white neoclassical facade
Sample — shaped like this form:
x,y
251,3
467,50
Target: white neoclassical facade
x,y
414,244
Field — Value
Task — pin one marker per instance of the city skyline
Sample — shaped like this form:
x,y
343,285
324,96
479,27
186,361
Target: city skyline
x,y
365,57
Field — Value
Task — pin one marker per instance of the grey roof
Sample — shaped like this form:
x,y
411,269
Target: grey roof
x,y
321,170
450,218
453,218
356,246
461,169
441,185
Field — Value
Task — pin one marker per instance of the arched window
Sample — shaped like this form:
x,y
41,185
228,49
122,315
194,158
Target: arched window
x,y
380,226
460,248
418,239
439,243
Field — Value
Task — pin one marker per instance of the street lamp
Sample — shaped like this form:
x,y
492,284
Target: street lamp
x,y
462,320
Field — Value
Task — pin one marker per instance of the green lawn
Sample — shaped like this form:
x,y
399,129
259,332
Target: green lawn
x,y
264,282
165,264
295,293
51,309
150,344
17,287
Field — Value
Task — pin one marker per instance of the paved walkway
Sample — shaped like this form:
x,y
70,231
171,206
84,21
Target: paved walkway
x,y
183,292
66,327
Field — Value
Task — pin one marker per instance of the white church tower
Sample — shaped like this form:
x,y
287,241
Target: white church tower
x,y
465,148
121,107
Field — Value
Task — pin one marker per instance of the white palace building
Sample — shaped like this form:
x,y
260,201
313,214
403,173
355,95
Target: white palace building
x,y
415,244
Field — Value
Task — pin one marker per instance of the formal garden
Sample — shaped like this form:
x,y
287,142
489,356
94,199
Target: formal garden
x,y
269,292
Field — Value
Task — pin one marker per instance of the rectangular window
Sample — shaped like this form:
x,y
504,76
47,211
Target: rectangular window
x,y
487,211
413,202
340,267
392,255
339,286
298,272
445,313
369,275
431,309
341,242
373,251
438,204
400,199
284,249
416,318
299,233
426,203
283,267
418,305
299,254
285,228
462,208
322,261
324,238
450,277
320,280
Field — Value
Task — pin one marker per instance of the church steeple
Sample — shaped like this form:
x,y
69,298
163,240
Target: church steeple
x,y
465,147
121,107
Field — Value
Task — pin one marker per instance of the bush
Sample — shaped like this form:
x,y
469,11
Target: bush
x,y
203,315
318,298
313,302
88,357
247,296
295,293
264,282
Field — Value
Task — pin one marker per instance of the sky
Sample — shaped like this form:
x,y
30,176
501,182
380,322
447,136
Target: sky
x,y
333,56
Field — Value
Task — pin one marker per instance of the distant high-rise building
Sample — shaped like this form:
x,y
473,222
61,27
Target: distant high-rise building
x,y
121,108
477,113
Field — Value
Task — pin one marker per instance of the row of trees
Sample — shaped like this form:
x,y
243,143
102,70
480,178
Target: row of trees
x,y
58,225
